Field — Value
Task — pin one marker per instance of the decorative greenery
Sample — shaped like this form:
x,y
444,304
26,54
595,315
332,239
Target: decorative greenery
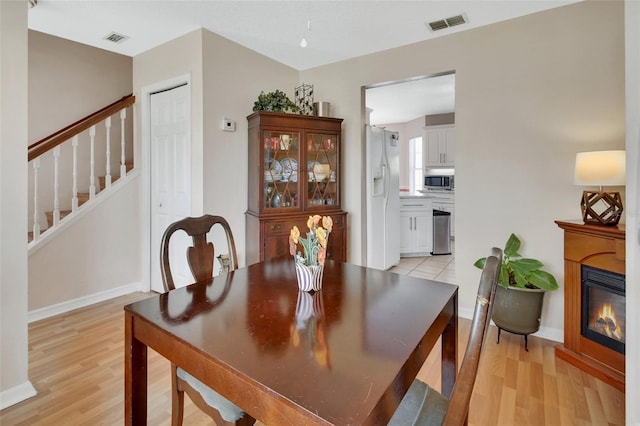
x,y
521,272
315,245
276,101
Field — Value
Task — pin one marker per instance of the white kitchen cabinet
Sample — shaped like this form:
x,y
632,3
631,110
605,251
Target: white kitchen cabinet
x,y
446,202
416,225
439,146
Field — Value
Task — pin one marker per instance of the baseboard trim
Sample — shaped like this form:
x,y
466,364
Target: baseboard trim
x,y
81,302
548,333
17,394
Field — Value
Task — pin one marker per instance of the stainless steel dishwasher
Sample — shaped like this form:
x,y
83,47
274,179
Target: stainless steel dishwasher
x,y
441,232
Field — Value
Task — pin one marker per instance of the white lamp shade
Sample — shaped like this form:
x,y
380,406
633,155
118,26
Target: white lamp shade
x,y
600,168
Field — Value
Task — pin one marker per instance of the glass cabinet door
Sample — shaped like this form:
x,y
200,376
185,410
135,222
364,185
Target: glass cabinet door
x,y
322,170
281,156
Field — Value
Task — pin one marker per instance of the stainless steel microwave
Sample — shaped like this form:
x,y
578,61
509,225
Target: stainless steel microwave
x,y
438,182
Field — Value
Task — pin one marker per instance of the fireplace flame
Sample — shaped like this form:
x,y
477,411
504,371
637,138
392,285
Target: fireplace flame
x,y
607,324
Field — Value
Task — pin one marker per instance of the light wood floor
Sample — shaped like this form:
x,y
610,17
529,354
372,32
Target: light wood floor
x,y
76,365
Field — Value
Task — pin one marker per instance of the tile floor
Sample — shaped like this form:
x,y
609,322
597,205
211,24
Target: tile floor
x,y
439,268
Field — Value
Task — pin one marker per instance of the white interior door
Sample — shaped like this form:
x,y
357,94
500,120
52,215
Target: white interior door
x,y
170,144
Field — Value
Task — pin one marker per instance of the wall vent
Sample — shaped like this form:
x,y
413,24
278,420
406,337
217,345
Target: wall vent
x,y
116,38
447,22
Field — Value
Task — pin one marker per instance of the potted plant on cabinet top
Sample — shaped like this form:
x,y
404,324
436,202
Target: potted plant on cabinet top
x,y
518,303
276,101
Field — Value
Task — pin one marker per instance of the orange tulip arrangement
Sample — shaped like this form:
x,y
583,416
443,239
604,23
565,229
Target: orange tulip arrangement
x,y
314,246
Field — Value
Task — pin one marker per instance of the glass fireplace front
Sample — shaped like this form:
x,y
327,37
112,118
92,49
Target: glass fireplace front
x,y
603,307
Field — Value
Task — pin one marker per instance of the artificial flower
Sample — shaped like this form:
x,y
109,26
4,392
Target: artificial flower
x,y
327,223
314,246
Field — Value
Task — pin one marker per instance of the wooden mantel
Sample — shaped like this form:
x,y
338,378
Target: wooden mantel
x,y
600,247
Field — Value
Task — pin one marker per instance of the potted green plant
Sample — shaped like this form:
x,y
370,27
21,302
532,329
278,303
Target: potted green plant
x,y
518,303
276,101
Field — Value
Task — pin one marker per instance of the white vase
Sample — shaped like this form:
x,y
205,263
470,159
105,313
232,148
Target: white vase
x,y
309,276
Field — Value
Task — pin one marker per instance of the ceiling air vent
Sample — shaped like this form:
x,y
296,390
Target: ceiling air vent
x,y
456,20
116,38
446,23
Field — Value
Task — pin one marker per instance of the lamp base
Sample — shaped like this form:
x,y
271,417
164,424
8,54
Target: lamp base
x,y
601,208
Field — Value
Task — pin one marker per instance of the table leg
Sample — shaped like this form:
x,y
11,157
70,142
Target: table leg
x,y
449,366
135,376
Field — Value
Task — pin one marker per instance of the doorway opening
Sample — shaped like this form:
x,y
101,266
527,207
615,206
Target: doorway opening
x,y
413,108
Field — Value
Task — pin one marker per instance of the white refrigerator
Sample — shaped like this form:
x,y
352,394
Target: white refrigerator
x,y
383,198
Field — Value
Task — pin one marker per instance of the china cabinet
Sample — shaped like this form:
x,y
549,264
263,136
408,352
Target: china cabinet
x,y
294,172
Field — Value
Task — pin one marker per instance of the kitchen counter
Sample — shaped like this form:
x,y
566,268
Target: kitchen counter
x,y
409,195
427,194
439,191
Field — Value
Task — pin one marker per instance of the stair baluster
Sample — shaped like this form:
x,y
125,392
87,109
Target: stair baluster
x,y
74,199
36,222
107,177
123,166
56,186
92,178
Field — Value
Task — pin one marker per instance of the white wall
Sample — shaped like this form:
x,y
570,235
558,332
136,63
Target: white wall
x,y
632,56
99,254
177,60
226,79
526,101
67,81
233,79
14,380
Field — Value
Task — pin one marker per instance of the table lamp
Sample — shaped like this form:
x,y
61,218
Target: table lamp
x,y
600,168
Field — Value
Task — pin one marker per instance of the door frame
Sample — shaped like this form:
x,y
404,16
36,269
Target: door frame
x,y
145,127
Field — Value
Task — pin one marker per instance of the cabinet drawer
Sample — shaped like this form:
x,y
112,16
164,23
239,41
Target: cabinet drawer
x,y
444,198
412,204
275,236
281,227
278,228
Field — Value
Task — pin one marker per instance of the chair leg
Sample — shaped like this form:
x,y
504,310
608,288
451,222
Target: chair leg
x,y
499,330
246,420
177,399
526,343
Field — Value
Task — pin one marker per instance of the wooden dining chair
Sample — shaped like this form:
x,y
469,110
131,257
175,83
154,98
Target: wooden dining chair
x,y
423,405
200,257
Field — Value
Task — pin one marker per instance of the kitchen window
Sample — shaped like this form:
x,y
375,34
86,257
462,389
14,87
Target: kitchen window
x,y
415,164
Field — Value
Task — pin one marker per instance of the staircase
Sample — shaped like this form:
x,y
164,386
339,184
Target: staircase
x,y
83,197
68,159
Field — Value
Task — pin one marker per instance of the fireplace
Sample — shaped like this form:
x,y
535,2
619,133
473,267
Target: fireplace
x,y
594,300
603,308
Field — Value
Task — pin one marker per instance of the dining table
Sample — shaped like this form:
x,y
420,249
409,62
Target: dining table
x,y
343,355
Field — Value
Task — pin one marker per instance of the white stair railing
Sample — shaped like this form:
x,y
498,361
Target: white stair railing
x,y
56,186
107,177
67,174
123,160
36,222
74,189
92,163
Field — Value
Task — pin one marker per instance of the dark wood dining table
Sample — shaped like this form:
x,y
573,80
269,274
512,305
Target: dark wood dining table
x,y
345,355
